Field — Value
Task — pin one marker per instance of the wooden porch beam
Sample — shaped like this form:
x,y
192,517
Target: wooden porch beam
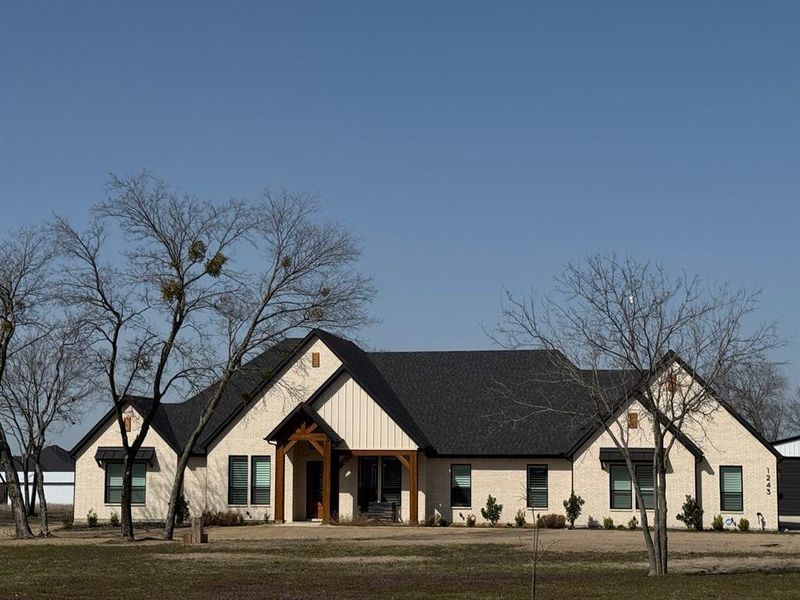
x,y
326,481
280,475
320,448
414,488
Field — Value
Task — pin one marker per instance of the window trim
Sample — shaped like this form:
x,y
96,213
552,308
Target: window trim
x,y
106,488
721,495
253,488
611,488
231,458
529,503
453,504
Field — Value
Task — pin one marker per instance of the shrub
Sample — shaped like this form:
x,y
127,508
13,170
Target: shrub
x,y
691,514
113,520
229,518
267,516
593,523
182,513
572,506
519,518
471,520
551,521
608,523
744,524
353,520
633,523
68,521
717,524
91,518
492,511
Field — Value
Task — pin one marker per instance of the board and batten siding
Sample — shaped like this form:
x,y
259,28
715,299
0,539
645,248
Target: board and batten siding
x,y
789,448
359,420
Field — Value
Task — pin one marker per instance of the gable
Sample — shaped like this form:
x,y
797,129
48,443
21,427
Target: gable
x,y
106,433
640,437
358,419
295,382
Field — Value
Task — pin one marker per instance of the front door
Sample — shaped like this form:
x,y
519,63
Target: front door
x,y
314,489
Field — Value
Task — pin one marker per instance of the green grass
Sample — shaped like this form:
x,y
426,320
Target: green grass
x,y
311,570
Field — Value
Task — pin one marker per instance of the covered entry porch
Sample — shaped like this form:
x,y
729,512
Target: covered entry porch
x,y
326,480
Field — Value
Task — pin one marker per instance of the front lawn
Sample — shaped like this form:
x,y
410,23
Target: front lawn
x,y
358,569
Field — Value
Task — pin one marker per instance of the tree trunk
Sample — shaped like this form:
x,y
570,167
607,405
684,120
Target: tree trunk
x,y
649,543
21,526
126,516
32,497
660,496
174,496
44,525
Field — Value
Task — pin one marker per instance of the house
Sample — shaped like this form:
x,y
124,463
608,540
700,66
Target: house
x,y
789,481
58,471
789,446
317,428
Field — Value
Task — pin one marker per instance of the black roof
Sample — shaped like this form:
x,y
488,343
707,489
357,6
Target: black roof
x,y
485,402
53,458
480,402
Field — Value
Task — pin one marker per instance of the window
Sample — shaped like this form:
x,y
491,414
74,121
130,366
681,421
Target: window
x,y
537,486
644,475
315,359
620,487
730,489
367,481
261,477
237,480
633,420
391,480
461,485
113,492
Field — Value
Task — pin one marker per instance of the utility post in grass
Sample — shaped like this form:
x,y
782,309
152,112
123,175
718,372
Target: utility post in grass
x,y
624,330
25,289
306,278
146,302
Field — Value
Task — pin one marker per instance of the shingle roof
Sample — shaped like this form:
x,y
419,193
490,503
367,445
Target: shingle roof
x,y
482,402
485,402
179,420
53,458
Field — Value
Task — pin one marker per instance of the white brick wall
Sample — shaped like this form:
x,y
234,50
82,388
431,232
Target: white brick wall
x,y
503,478
90,478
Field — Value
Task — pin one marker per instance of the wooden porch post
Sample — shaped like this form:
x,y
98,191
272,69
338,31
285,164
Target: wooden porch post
x,y
326,481
414,489
280,475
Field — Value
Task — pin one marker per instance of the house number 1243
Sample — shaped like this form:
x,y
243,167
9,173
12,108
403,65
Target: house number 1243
x,y
769,483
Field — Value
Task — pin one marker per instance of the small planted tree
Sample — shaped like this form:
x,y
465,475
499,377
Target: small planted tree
x,y
492,511
691,514
573,507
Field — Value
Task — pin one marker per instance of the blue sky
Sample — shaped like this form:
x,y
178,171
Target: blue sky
x,y
474,146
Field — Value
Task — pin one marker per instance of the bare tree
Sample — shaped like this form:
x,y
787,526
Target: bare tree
x,y
616,327
44,389
144,311
759,392
305,279
793,413
24,289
